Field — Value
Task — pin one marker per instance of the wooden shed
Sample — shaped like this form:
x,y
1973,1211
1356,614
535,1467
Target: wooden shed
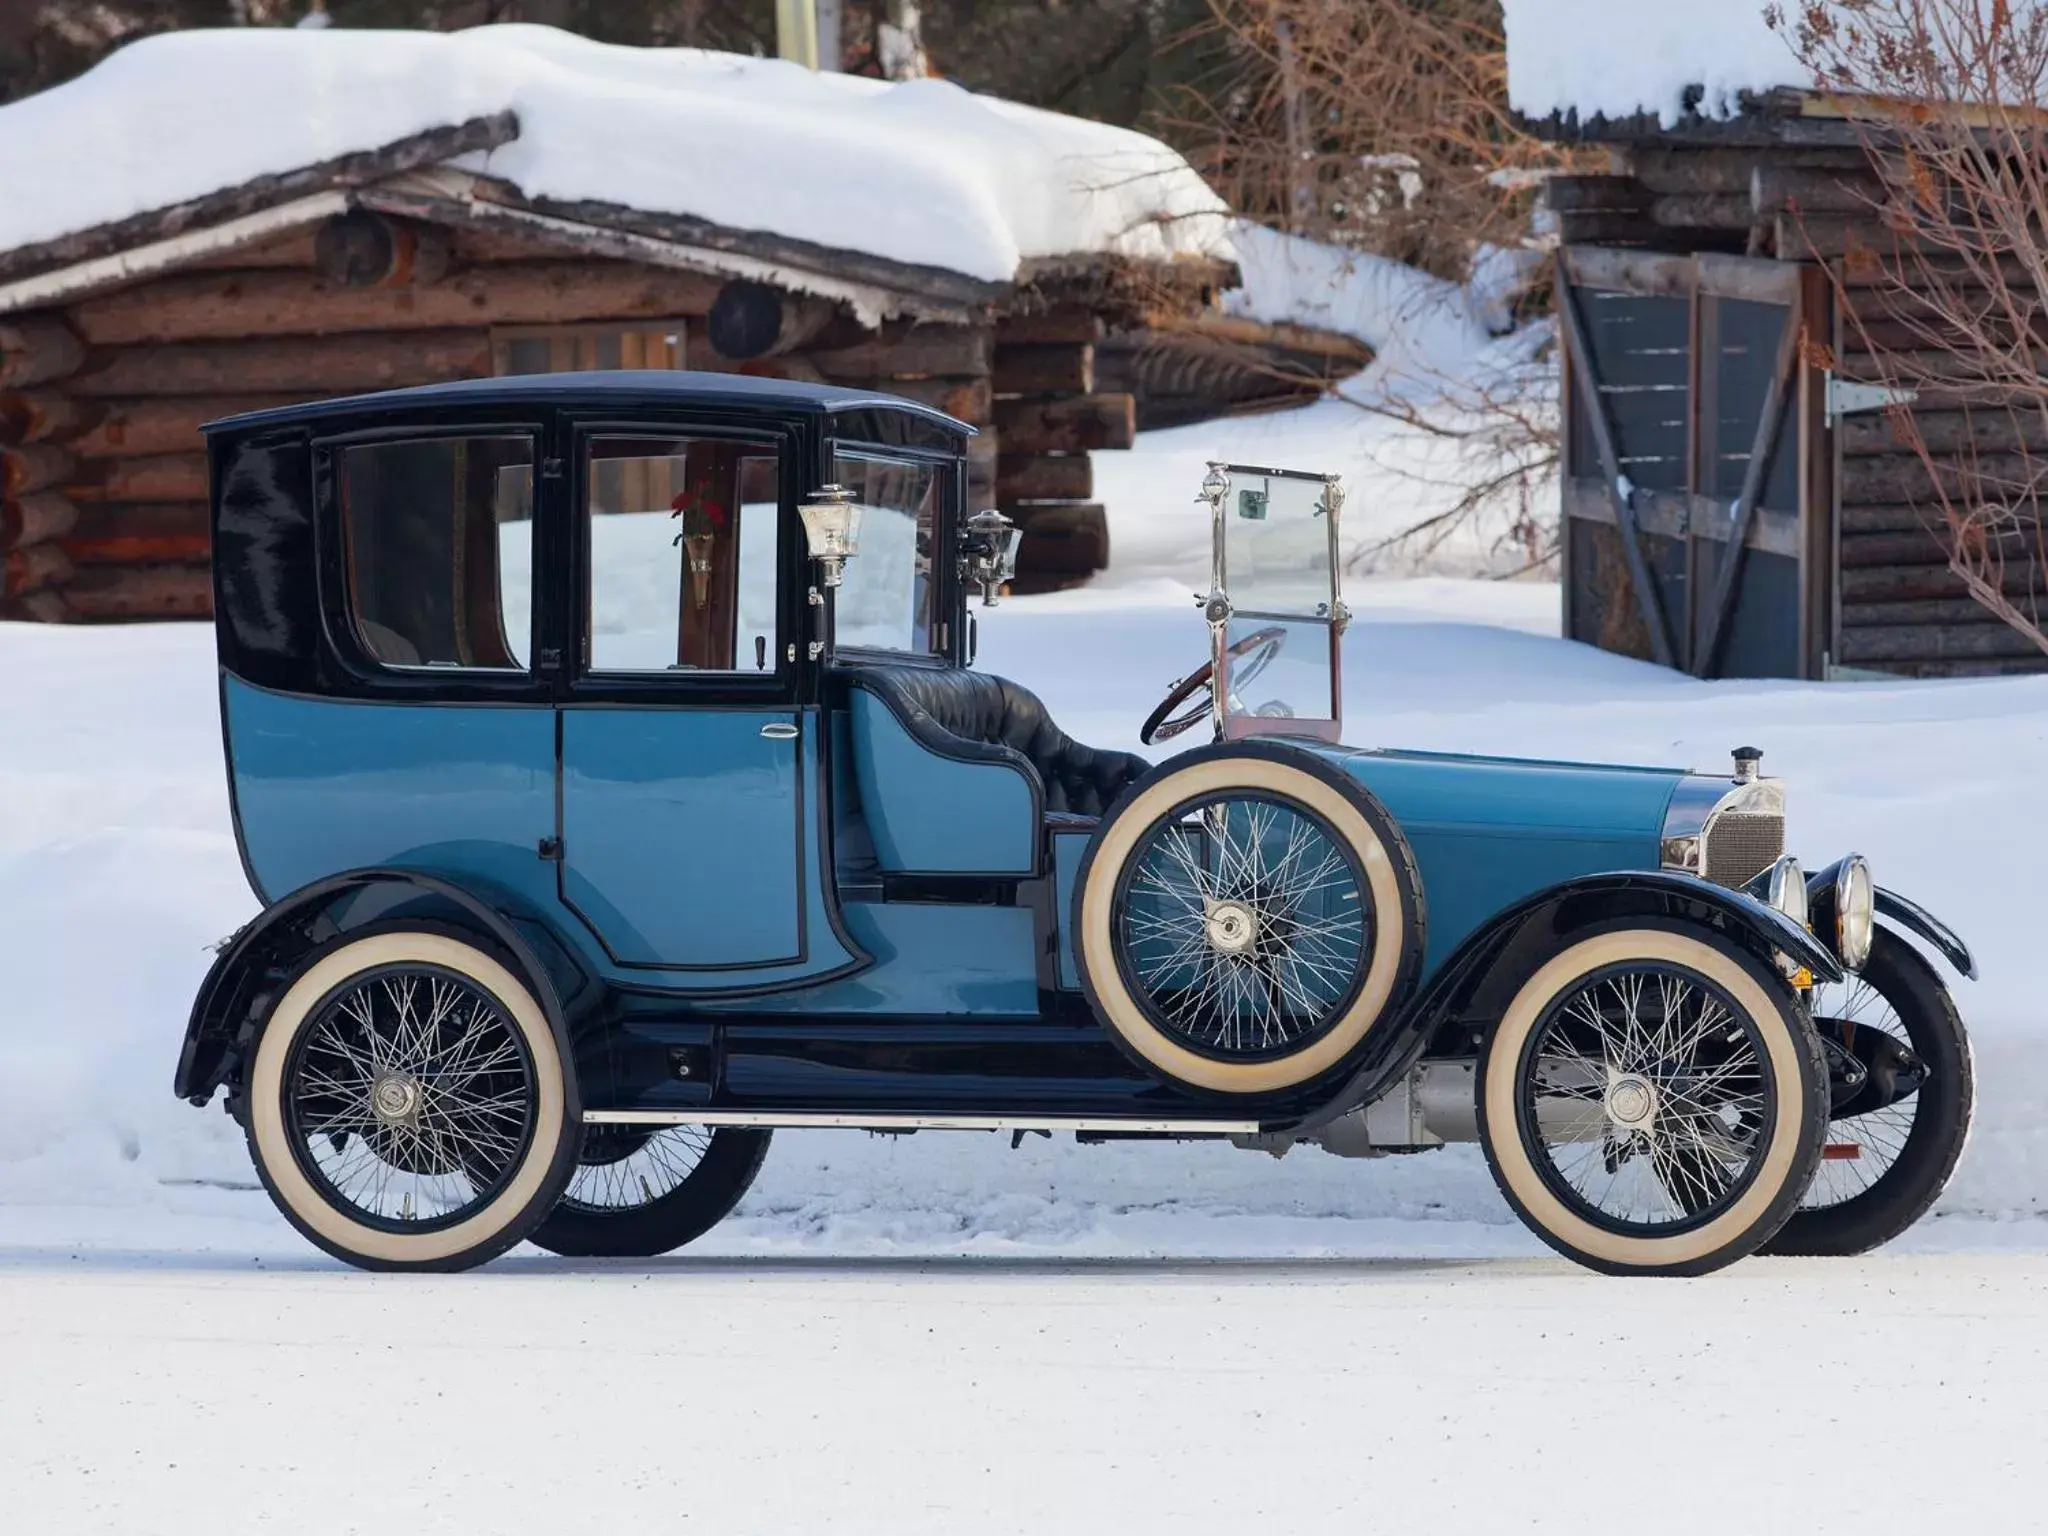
x,y
411,262
1736,500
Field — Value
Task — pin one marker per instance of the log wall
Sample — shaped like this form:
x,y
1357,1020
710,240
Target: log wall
x,y
1048,417
1893,604
102,465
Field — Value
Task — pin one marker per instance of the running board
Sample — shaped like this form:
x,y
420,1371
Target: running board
x,y
787,1119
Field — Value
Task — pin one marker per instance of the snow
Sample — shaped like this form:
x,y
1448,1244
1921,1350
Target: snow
x,y
1403,314
939,1333
919,171
1618,58
1347,1395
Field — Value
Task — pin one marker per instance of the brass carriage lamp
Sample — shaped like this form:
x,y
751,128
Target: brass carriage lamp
x,y
831,530
991,549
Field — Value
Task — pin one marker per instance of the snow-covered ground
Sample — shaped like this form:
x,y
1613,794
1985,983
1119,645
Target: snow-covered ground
x,y
940,1333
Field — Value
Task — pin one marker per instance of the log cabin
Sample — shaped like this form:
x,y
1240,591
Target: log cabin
x,y
1739,497
416,259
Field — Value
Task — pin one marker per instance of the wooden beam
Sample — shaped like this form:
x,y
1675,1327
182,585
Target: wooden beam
x,y
326,366
1067,426
1051,369
1925,574
1934,642
40,416
365,249
110,533
1648,600
1044,477
749,319
39,518
36,349
219,306
1730,170
1597,194
351,170
1056,327
1702,210
1649,273
34,467
1970,432
32,567
141,592
1062,539
164,477
1776,189
909,352
129,428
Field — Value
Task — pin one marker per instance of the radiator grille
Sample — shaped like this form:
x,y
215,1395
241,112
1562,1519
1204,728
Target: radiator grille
x,y
1740,846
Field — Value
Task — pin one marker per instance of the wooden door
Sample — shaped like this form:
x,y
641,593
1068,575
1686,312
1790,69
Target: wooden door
x,y
1690,458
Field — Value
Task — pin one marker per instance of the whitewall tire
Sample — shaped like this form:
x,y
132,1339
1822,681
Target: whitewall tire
x,y
1653,1101
409,1105
1245,920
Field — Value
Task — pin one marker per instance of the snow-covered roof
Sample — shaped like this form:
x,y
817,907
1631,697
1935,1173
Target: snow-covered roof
x,y
1624,58
922,173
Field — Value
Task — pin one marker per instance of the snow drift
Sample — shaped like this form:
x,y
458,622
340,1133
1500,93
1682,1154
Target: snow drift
x,y
920,172
1617,58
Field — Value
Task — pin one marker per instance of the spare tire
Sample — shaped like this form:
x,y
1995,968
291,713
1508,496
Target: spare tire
x,y
1245,917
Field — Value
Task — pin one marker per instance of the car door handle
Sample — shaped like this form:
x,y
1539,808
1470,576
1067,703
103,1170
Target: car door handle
x,y
778,731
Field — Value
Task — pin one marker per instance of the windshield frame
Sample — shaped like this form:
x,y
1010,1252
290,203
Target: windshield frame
x,y
1221,612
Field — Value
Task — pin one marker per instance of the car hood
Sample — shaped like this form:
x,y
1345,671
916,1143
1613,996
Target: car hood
x,y
1488,831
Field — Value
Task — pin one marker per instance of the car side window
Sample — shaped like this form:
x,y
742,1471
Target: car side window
x,y
683,551
437,542
886,599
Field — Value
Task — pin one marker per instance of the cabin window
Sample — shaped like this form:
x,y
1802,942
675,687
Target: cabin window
x,y
683,554
438,544
886,602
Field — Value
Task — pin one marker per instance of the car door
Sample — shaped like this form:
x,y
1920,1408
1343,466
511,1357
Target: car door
x,y
682,748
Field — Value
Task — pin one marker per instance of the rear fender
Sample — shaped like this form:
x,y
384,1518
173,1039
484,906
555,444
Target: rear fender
x,y
259,960
1917,919
1450,1016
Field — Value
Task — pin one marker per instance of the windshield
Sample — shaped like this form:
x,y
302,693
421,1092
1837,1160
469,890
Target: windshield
x,y
1275,535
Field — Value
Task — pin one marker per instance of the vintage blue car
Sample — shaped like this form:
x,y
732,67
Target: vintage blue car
x,y
606,752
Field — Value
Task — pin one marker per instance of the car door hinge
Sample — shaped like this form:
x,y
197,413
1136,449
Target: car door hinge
x,y
551,849
550,657
551,469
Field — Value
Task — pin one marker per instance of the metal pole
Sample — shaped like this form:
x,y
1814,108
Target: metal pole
x,y
796,31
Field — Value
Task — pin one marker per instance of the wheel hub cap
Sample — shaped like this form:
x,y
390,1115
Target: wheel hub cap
x,y
395,1098
1631,1102
1232,927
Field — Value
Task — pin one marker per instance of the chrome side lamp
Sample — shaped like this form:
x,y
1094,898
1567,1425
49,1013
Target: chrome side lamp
x,y
991,549
831,530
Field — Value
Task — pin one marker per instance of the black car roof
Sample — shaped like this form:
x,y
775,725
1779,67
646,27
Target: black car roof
x,y
651,385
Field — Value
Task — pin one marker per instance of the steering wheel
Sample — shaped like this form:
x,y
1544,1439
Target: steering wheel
x,y
1256,650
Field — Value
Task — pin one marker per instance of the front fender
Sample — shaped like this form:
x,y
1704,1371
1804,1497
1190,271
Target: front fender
x,y
259,957
1503,951
1908,914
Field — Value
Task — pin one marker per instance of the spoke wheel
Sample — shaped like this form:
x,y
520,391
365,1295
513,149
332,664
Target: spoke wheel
x,y
1244,920
411,1097
1243,924
1652,1101
1887,1163
640,1191
1646,1099
408,1105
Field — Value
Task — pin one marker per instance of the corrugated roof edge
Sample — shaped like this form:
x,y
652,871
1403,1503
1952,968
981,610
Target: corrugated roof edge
x,y
709,388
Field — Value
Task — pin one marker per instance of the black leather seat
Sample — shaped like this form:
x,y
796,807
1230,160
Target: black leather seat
x,y
975,715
